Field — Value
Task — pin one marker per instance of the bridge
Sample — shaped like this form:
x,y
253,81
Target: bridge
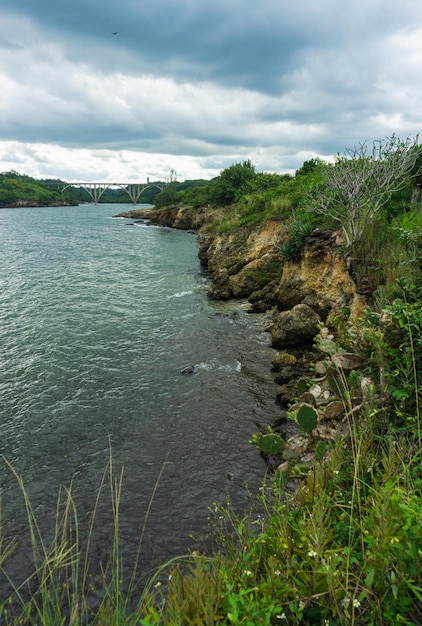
x,y
96,190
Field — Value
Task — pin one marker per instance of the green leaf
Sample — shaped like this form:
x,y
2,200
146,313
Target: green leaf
x,y
270,443
370,578
334,386
302,386
320,450
307,417
327,345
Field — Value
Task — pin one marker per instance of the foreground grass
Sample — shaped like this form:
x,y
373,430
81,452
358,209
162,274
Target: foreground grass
x,y
346,548
337,541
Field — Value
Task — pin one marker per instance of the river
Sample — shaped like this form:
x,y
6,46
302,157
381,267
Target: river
x,y
98,319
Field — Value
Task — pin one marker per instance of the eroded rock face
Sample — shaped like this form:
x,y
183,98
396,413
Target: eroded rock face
x,y
249,265
243,262
320,279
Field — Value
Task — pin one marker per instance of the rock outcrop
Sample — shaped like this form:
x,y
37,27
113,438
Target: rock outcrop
x,y
183,218
246,263
304,297
319,279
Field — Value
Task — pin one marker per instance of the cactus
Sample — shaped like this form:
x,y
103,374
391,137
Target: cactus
x,y
302,386
320,450
307,418
270,443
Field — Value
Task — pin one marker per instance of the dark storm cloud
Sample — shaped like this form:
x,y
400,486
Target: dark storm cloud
x,y
237,43
273,81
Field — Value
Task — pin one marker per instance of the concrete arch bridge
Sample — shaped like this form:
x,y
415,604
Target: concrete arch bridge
x,y
96,190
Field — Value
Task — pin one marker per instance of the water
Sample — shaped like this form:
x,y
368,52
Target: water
x,y
98,318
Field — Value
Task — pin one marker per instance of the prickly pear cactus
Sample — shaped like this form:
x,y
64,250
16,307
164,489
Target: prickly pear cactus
x,y
270,443
320,450
307,418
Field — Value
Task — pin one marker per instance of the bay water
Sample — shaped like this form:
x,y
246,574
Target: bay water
x,y
98,318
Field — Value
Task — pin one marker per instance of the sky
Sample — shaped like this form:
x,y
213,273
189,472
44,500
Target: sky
x,y
122,90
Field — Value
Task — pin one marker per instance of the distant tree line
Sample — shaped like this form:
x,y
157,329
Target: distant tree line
x,y
22,190
360,193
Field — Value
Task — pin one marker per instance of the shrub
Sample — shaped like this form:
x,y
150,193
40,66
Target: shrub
x,y
291,249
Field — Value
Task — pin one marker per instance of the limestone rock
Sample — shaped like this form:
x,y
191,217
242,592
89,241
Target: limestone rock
x,y
220,288
320,279
333,410
287,393
264,299
283,375
296,327
283,359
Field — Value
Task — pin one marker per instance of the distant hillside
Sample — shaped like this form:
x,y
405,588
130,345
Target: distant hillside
x,y
19,190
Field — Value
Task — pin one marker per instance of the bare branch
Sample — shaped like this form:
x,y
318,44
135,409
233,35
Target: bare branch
x,y
362,181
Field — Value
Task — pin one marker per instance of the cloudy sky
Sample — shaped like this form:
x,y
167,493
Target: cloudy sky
x,y
196,85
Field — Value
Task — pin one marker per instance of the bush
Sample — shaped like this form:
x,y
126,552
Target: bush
x,y
291,250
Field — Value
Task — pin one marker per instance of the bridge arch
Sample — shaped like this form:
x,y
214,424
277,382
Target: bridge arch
x,y
134,191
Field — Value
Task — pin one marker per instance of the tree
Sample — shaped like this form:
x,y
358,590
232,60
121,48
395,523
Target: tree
x,y
362,181
231,183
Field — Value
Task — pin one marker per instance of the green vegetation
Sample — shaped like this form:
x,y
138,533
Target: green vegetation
x,y
362,182
332,541
21,190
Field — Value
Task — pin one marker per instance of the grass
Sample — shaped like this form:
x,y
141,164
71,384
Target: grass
x,y
60,587
336,541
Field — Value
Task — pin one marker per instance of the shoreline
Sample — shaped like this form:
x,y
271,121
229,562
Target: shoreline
x,y
300,300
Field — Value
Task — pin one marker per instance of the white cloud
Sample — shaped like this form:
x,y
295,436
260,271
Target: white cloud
x,y
195,87
85,165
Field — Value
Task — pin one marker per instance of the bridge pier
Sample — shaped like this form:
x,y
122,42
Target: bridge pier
x,y
95,190
134,191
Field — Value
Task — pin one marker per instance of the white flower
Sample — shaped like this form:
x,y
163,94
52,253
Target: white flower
x,y
356,603
312,553
281,616
248,572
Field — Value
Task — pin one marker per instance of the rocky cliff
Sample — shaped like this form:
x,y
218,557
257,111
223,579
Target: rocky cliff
x,y
245,262
302,299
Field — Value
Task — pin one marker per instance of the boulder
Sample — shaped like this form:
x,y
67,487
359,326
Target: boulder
x,y
296,327
283,359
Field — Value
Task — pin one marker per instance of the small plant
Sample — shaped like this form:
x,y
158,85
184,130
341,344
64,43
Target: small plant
x,y
268,443
291,250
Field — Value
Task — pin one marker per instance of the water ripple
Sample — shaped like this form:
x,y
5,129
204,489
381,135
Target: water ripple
x,y
97,322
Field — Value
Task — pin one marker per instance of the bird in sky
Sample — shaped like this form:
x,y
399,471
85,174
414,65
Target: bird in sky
x,y
115,32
